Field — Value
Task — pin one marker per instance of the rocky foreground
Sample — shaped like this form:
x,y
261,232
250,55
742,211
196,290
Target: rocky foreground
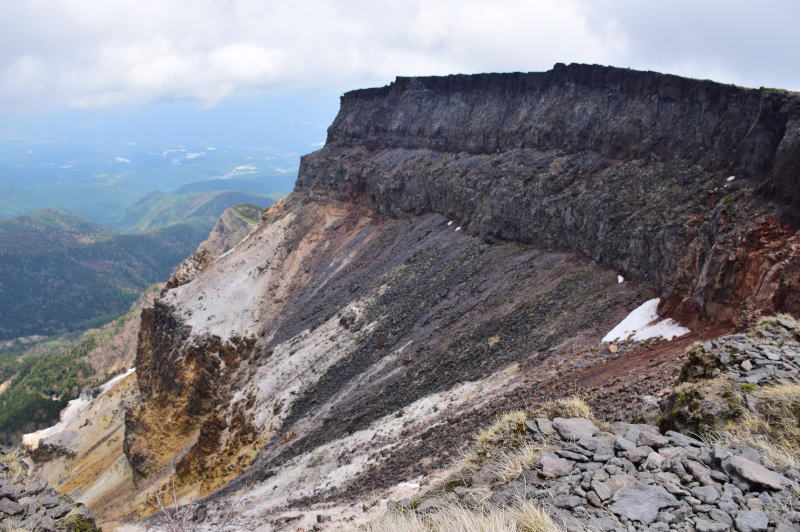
x,y
631,476
741,474
27,504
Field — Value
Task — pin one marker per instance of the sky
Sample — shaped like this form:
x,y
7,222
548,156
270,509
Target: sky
x,y
113,54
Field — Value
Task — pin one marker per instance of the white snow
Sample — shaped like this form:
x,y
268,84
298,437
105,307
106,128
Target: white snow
x,y
449,223
73,410
731,178
643,323
110,384
458,228
620,279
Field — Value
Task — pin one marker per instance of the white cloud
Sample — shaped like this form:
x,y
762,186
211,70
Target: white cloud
x,y
93,53
122,160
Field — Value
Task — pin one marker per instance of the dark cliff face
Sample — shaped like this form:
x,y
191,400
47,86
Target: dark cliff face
x,y
630,168
616,113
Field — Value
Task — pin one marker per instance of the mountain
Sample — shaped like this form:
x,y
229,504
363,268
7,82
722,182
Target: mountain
x,y
59,272
462,247
251,186
158,209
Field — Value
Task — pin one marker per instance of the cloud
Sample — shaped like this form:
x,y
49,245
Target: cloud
x,y
94,53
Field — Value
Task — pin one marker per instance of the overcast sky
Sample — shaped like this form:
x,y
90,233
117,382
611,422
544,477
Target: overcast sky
x,y
106,53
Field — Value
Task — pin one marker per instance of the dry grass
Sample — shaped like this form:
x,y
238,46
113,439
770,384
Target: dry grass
x,y
13,460
566,407
522,516
505,444
509,465
506,430
774,428
770,321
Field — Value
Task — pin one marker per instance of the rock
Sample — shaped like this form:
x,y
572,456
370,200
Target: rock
x,y
484,476
553,466
707,494
606,489
606,524
545,426
670,453
682,440
532,426
637,454
568,501
653,461
9,507
34,487
753,472
431,505
575,428
50,501
667,478
652,439
594,499
623,444
596,443
705,525
700,472
720,516
569,455
59,511
47,524
642,502
751,521
746,365
10,491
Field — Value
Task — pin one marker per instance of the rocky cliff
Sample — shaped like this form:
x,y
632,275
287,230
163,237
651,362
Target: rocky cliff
x,y
456,249
661,177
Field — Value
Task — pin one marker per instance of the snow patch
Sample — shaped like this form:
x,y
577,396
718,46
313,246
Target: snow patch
x,y
643,323
620,279
731,178
458,228
449,223
72,412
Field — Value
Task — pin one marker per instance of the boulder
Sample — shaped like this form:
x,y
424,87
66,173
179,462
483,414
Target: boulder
x,y
751,521
752,472
575,428
554,466
642,502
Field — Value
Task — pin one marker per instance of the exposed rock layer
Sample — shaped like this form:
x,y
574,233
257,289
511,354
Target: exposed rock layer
x,y
630,168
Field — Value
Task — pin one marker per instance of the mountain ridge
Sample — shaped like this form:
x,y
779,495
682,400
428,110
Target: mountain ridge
x,y
417,283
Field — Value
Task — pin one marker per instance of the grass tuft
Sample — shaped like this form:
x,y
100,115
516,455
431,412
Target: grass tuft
x,y
522,516
775,426
566,407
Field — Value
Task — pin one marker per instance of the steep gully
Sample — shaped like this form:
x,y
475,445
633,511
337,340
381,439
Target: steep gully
x,y
452,252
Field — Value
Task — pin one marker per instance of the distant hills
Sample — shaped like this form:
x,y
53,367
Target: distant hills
x,y
252,186
199,208
60,272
